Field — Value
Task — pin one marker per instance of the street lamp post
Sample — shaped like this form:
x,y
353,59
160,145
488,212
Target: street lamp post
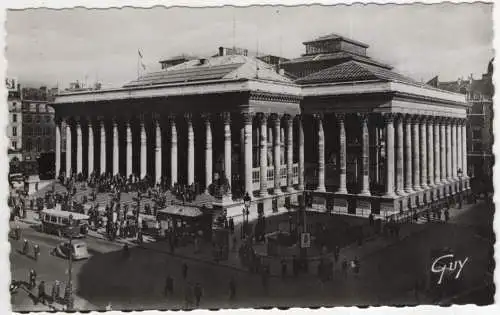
x,y
460,174
246,202
69,287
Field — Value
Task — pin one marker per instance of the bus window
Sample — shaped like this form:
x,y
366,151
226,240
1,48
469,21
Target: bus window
x,y
53,219
65,221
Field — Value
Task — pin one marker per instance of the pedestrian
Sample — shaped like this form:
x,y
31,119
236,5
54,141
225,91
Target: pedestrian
x,y
184,271
283,268
56,290
446,215
295,266
188,295
32,279
344,267
198,292
232,289
41,292
169,286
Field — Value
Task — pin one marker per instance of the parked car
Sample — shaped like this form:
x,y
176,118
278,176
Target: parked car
x,y
78,250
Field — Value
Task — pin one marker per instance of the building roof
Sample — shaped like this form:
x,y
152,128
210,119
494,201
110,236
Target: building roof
x,y
336,36
212,69
337,55
354,71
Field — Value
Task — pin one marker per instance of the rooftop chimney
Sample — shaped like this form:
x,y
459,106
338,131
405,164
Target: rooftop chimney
x,y
221,51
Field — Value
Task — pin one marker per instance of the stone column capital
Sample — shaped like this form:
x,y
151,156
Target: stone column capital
x,y
276,117
288,118
389,117
188,117
247,117
363,117
340,117
263,117
206,117
226,117
318,116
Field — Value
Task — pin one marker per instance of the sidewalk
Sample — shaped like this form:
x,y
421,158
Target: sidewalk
x,y
29,297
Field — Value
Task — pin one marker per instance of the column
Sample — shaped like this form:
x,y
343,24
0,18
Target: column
x,y
79,150
437,152
453,131
289,153
415,153
321,154
277,153
190,170
227,148
342,154
90,150
247,120
128,149
58,148
158,152
399,156
103,147
144,161
365,165
173,151
459,146
430,153
389,161
464,150
208,152
116,149
442,141
423,153
408,148
68,149
263,154
449,152
301,153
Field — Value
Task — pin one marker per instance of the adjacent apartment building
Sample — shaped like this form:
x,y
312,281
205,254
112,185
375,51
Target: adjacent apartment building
x,y
14,129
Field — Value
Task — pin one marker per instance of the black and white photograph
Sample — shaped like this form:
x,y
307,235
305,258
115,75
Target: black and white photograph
x,y
181,158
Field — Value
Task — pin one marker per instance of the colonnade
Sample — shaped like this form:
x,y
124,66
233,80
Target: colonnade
x,y
422,152
247,120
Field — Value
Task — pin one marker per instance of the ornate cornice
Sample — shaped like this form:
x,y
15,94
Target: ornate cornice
x,y
275,98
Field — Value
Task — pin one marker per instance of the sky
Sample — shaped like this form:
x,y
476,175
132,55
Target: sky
x,y
56,47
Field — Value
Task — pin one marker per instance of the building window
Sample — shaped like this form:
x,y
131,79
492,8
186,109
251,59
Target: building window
x,y
14,145
38,145
38,118
14,131
14,117
476,134
27,118
48,144
477,147
28,145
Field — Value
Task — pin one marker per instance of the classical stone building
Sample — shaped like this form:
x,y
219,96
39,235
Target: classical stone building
x,y
392,143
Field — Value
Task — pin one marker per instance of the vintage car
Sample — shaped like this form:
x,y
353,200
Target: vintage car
x,y
78,250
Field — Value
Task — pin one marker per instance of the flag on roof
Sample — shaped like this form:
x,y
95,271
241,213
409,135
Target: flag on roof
x,y
139,52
